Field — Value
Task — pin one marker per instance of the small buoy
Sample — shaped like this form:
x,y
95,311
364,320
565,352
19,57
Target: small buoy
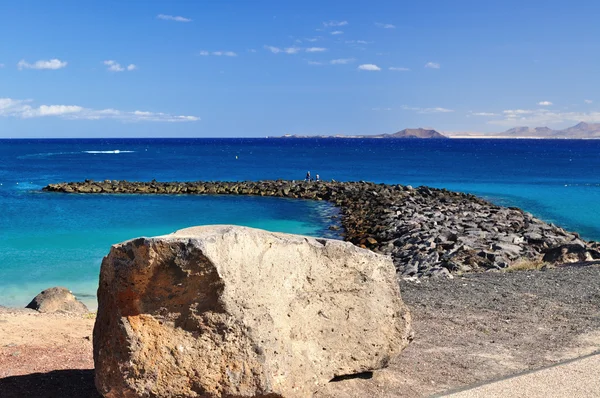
x,y
236,156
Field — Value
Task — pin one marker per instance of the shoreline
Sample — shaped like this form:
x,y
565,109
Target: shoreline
x,y
427,231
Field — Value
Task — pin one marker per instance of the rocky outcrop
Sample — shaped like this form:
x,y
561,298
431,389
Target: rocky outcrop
x,y
57,299
227,311
427,231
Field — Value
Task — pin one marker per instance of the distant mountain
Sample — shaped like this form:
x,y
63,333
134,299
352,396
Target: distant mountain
x,y
529,131
402,134
414,133
581,130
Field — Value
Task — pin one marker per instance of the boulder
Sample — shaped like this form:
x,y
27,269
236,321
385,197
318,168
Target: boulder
x,y
570,253
57,299
226,311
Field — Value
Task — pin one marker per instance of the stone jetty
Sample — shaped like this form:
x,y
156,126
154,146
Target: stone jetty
x,y
427,232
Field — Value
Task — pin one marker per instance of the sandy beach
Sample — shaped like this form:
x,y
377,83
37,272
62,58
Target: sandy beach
x,y
467,330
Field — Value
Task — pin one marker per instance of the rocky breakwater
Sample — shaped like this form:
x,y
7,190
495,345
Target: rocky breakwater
x,y
228,311
426,231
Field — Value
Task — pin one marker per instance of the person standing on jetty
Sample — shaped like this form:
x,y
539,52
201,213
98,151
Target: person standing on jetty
x,y
316,177
307,176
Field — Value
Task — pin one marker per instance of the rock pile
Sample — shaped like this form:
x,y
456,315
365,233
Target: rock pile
x,y
427,231
226,311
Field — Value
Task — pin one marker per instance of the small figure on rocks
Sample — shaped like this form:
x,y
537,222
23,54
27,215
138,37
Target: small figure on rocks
x,y
307,176
317,177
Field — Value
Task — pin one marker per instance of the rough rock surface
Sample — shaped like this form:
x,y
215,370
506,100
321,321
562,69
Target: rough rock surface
x,y
428,232
226,311
57,299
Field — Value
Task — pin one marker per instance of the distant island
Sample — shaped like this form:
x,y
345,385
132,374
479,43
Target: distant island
x,y
581,130
403,134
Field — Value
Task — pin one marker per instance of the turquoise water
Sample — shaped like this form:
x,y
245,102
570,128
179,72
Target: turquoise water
x,y
51,239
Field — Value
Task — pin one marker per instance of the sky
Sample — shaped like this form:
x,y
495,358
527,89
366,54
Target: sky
x,y
255,68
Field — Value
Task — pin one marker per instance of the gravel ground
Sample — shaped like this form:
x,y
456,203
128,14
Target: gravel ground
x,y
483,326
467,330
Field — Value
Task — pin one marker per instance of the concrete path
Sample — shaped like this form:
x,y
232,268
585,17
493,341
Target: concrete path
x,y
578,378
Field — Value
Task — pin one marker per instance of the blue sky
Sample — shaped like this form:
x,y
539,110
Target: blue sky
x,y
233,68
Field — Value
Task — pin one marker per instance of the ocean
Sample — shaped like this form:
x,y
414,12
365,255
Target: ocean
x,y
51,239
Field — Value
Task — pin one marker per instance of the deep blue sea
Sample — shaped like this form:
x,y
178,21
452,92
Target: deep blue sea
x,y
50,239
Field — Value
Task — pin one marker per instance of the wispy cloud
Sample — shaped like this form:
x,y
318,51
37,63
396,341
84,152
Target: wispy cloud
x,y
542,116
426,110
314,63
42,64
342,61
399,69
369,67
312,39
114,66
482,114
385,25
544,103
315,50
432,65
219,53
173,18
337,32
381,109
358,42
25,110
335,23
588,101
288,50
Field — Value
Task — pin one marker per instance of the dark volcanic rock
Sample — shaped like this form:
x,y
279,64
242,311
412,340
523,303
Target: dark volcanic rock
x,y
423,229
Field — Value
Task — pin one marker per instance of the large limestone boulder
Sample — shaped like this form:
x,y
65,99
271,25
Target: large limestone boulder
x,y
226,311
57,299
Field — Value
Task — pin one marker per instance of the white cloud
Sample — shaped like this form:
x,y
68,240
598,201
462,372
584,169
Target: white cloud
x,y
337,32
432,65
312,39
426,110
483,114
342,61
114,66
369,67
358,42
544,103
335,23
225,53
542,116
251,50
588,101
42,64
315,63
381,109
218,53
517,112
399,69
385,25
315,49
173,18
23,109
288,50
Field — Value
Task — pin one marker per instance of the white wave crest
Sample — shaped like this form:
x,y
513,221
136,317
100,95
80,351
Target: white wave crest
x,y
115,151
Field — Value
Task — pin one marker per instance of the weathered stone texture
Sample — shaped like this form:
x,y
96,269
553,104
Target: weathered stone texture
x,y
228,311
57,299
